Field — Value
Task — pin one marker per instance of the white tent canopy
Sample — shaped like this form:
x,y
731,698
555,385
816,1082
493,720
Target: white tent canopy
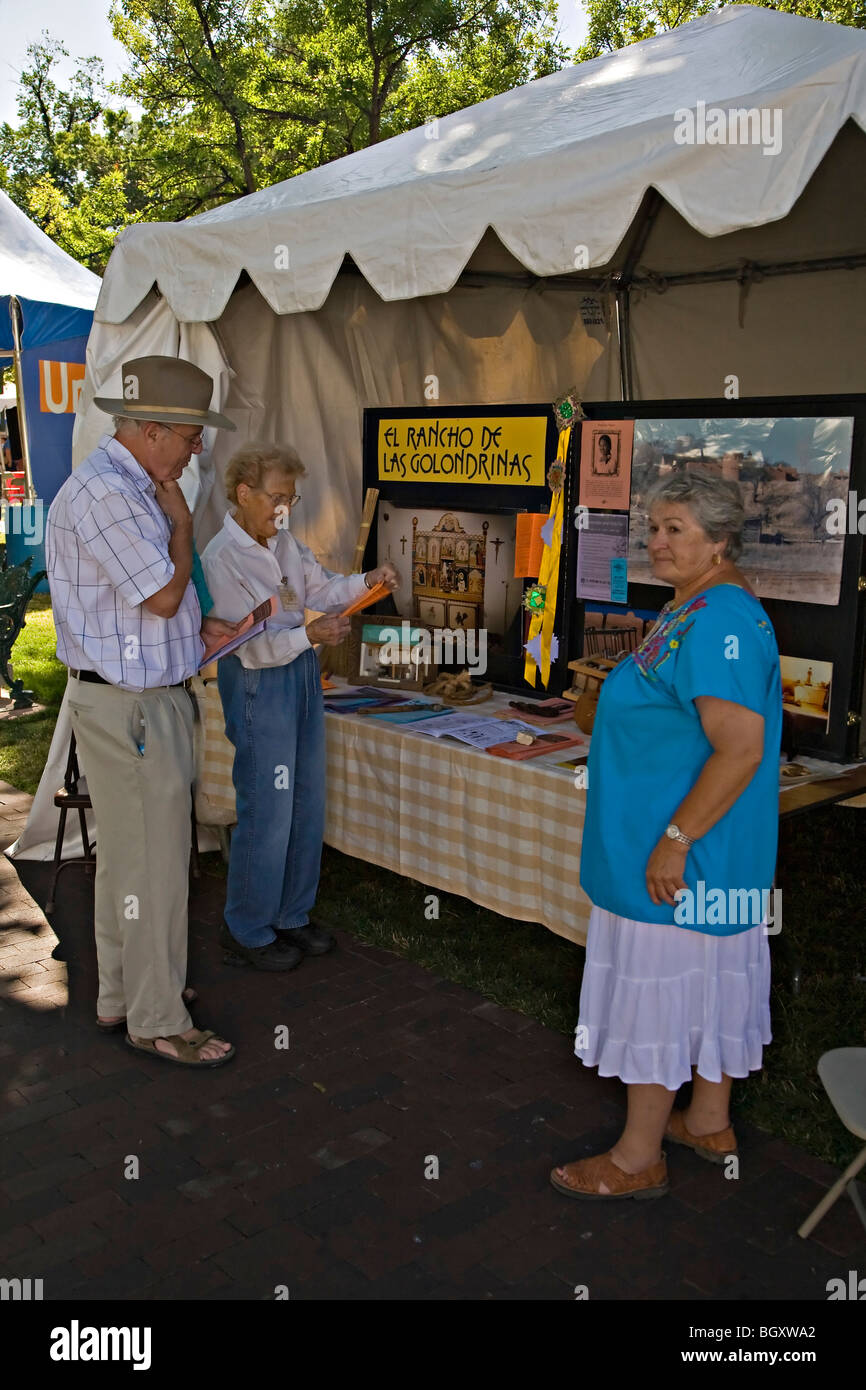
x,y
559,236
32,267
558,163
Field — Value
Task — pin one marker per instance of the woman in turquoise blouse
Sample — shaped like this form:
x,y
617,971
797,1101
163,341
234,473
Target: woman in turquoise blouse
x,y
679,849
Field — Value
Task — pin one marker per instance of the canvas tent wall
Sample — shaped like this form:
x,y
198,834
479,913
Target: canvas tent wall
x,y
556,236
46,311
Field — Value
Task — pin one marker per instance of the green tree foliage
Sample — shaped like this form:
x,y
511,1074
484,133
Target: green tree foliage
x,y
238,97
66,161
616,23
224,97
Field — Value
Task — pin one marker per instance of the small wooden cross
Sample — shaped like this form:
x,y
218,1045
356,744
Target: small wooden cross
x,y
403,540
497,543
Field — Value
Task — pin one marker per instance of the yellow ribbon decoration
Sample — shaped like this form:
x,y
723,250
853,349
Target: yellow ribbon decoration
x,y
549,576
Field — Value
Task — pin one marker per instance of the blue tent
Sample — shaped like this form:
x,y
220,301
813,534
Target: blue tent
x,y
46,310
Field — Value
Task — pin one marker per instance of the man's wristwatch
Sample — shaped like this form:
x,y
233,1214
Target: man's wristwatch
x,y
673,832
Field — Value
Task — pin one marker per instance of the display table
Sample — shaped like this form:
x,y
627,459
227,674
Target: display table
x,y
848,789
505,835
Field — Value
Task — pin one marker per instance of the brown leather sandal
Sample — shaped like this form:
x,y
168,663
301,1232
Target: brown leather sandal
x,y
187,1049
586,1174
716,1148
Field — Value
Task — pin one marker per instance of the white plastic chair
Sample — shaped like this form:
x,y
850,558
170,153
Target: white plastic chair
x,y
843,1076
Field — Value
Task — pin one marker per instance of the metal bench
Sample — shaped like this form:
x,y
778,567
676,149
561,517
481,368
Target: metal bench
x,y
17,585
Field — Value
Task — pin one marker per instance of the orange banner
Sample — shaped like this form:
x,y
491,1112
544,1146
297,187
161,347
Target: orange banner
x,y
60,386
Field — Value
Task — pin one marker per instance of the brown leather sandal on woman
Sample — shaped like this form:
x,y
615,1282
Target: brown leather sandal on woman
x,y
187,1049
586,1175
716,1148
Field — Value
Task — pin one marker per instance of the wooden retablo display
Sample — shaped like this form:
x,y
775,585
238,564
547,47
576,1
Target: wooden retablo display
x,y
448,568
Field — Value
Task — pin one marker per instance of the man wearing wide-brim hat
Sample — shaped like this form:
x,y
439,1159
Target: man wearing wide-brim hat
x,y
119,548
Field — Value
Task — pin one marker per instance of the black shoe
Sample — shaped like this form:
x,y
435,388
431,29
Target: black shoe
x,y
276,955
311,940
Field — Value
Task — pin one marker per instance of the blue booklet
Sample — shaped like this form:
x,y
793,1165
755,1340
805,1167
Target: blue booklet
x,y
412,716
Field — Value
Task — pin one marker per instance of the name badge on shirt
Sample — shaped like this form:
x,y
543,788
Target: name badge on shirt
x,y
288,597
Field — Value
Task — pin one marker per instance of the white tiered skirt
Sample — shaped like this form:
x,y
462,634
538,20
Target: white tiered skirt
x,y
658,1000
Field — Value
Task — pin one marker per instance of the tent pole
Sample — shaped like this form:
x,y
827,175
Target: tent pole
x,y
14,314
623,334
654,281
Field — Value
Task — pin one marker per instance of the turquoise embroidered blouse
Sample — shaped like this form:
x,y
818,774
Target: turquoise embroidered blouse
x,y
648,748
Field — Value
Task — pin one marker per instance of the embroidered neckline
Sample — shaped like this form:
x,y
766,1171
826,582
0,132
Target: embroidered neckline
x,y
666,636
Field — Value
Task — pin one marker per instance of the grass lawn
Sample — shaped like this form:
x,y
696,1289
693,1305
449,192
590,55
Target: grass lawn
x,y
822,871
24,741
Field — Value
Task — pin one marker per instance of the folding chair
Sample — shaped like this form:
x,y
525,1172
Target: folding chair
x,y
843,1076
70,798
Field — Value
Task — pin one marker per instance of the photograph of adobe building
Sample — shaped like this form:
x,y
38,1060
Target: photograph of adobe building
x,y
787,471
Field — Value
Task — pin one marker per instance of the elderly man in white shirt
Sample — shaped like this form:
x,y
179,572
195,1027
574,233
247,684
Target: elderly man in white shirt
x,y
272,700
119,551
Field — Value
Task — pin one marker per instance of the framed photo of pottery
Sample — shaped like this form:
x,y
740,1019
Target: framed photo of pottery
x,y
806,687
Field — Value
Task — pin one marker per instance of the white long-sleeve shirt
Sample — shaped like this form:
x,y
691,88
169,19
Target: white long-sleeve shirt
x,y
241,573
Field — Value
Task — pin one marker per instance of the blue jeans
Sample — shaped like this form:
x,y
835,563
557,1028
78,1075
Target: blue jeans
x,y
276,720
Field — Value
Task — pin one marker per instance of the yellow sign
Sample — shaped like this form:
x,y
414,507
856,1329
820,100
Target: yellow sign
x,y
497,449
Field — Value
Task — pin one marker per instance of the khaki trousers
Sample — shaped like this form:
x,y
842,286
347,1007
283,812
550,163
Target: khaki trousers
x,y
141,802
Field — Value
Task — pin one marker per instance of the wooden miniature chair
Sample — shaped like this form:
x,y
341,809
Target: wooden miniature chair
x,y
843,1076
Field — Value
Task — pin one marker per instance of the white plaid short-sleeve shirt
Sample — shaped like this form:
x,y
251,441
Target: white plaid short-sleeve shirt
x,y
106,546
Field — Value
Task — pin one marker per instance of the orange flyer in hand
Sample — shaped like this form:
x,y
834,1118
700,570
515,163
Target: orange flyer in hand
x,y
371,596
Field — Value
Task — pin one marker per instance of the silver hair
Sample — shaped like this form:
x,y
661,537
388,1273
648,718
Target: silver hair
x,y
122,421
715,503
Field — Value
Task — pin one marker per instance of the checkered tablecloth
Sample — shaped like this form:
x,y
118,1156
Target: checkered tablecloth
x,y
505,835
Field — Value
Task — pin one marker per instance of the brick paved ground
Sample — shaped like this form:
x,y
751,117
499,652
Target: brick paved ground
x,y
305,1167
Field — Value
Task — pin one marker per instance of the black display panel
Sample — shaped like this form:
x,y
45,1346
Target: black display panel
x,y
451,482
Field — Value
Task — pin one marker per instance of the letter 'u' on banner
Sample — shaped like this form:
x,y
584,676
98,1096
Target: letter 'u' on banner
x,y
60,386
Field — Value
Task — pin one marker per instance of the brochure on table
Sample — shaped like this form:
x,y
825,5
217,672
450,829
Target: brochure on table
x,y
474,727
